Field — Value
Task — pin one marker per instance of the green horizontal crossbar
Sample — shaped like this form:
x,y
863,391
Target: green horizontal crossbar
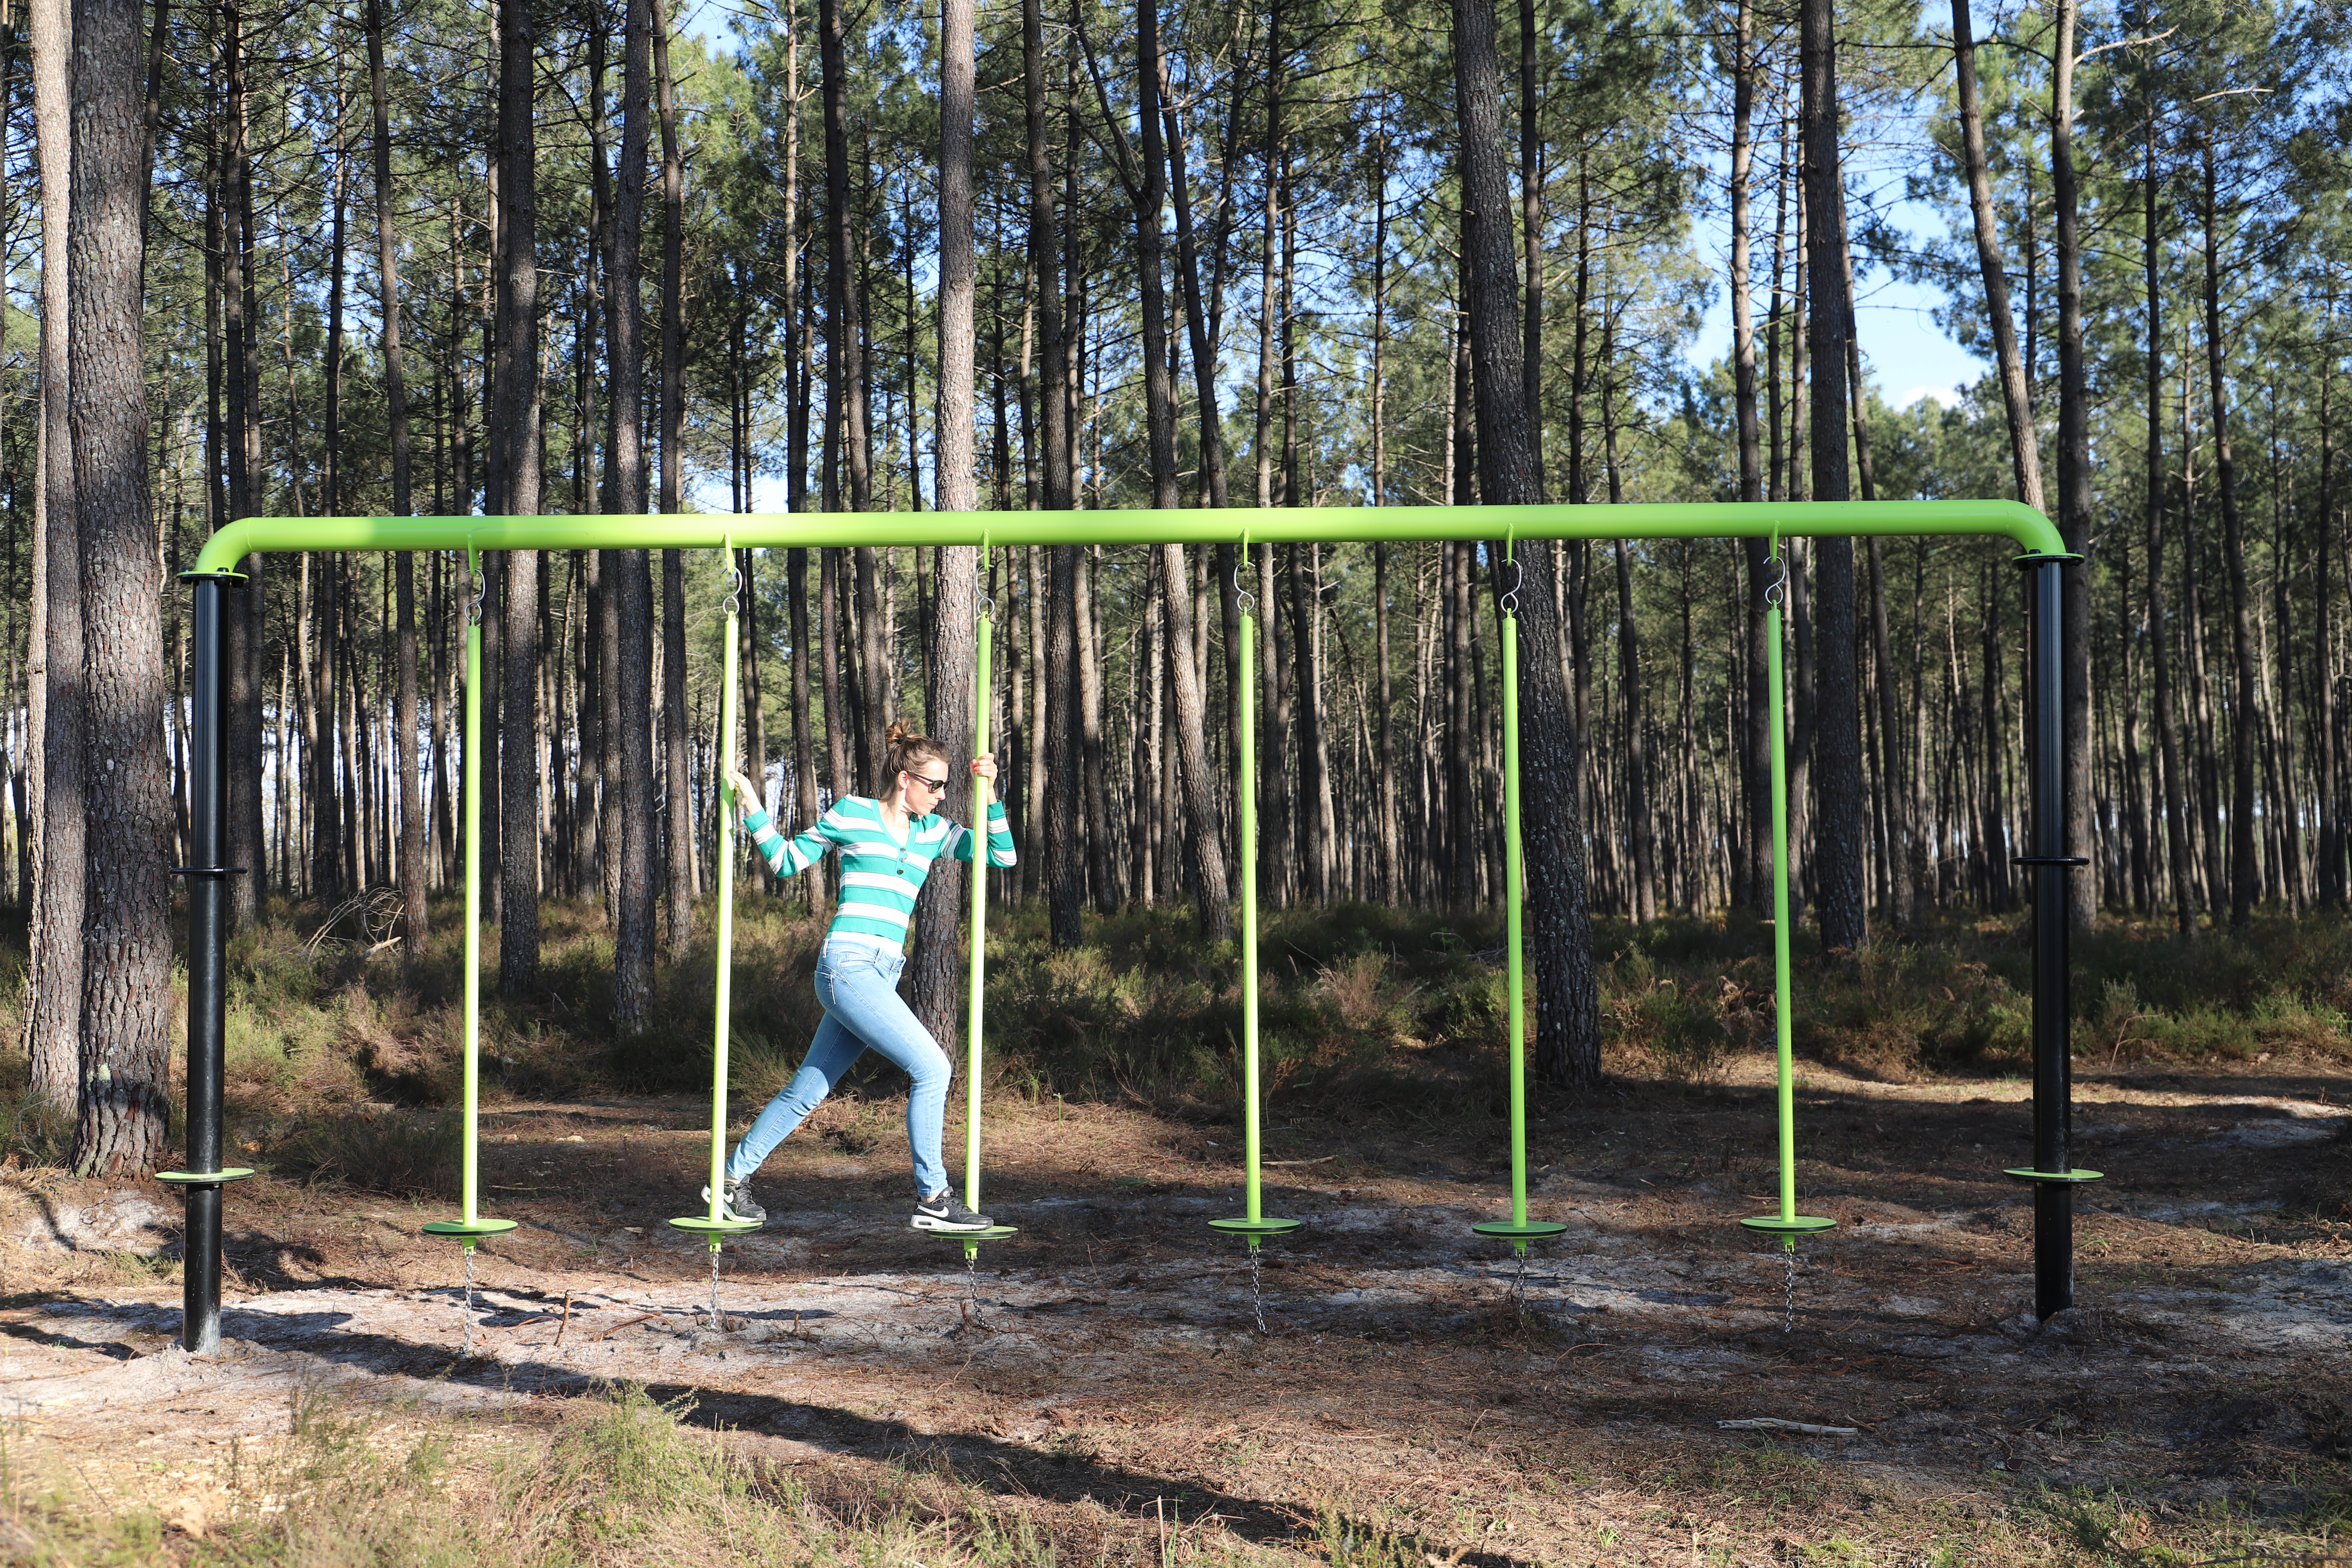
x,y
2029,1176
203,1178
1797,1224
467,1230
1282,525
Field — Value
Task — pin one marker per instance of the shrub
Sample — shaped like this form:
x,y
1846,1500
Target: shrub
x,y
400,1153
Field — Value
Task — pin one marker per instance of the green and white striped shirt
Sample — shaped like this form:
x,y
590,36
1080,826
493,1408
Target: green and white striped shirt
x,y
880,875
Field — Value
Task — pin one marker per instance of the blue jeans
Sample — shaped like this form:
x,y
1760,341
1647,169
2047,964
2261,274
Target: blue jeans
x,y
858,988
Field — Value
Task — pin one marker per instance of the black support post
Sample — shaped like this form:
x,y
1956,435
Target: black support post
x,y
207,962
2052,1176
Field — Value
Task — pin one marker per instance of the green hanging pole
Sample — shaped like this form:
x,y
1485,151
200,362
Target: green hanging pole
x,y
470,1226
1519,1230
1254,1223
1787,1224
981,687
718,1223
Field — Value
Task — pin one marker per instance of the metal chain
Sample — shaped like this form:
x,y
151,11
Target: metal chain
x,y
1257,1293
1775,589
717,1323
972,1281
1510,602
481,592
1788,1262
468,1350
1519,1281
1245,602
734,590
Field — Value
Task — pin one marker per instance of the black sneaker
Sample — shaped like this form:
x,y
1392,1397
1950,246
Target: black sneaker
x,y
945,1212
740,1203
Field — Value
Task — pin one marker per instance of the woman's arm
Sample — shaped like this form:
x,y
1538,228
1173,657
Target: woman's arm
x,y
1000,825
784,857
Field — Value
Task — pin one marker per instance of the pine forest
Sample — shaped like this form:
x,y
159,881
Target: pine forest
x,y
404,257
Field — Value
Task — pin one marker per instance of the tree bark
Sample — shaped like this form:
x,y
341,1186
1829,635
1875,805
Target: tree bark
x,y
2017,394
677,732
53,1025
1567,1016
950,716
515,425
2073,465
1637,785
626,574
2244,714
125,1098
395,392
1839,822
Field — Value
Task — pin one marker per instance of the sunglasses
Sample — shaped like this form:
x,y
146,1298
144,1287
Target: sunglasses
x,y
937,786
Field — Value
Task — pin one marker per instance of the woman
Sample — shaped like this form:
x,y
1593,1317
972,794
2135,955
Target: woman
x,y
888,845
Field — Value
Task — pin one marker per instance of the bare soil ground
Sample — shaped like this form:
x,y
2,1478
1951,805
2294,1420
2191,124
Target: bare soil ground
x,y
1415,1397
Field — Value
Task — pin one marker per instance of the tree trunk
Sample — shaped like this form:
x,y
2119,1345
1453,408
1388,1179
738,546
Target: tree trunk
x,y
1568,1016
626,573
125,1095
1839,822
2017,395
515,427
1637,785
2074,466
951,716
2244,716
1752,880
676,733
844,349
54,1025
395,392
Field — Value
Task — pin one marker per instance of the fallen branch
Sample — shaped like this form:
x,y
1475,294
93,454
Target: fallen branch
x,y
1774,1424
1316,1160
625,1322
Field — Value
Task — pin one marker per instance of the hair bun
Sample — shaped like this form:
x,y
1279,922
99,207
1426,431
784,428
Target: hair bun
x,y
900,731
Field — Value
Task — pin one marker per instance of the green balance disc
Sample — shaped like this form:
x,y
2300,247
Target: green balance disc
x,y
1803,1225
1519,1230
1269,1226
203,1178
2030,1176
993,1233
461,1230
705,1225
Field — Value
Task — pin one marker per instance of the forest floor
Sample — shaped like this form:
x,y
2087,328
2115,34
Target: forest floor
x,y
1098,1390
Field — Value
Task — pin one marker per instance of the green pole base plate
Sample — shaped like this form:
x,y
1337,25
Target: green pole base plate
x,y
1520,1229
203,1178
2031,1177
703,1224
459,1230
1253,1229
1800,1224
993,1233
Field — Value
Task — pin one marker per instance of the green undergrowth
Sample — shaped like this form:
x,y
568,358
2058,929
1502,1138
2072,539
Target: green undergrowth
x,y
341,1058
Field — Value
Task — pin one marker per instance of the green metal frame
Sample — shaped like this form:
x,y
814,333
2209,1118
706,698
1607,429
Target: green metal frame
x,y
718,1224
1787,1224
1294,525
2038,538
1254,1223
1518,1230
983,683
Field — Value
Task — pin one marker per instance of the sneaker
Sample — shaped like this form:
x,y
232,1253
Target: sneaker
x,y
944,1211
740,1203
